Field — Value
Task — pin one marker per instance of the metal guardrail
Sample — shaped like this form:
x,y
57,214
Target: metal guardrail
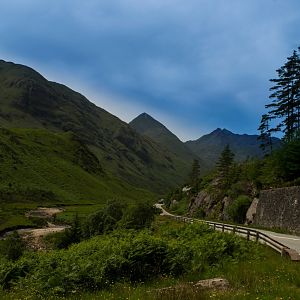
x,y
249,234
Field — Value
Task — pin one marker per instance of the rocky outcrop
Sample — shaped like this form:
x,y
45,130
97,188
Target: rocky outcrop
x,y
251,211
203,201
279,208
208,205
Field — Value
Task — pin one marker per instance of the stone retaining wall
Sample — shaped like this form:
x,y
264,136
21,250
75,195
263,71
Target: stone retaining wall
x,y
279,208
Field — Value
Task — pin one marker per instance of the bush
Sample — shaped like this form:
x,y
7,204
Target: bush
x,y
12,247
103,220
238,209
62,240
139,216
123,255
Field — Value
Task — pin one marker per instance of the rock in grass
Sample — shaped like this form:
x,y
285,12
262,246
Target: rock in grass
x,y
214,283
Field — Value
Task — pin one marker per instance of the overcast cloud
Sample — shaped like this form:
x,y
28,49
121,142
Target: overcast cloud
x,y
194,65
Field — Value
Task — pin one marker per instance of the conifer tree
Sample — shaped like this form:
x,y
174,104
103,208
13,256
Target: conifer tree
x,y
285,105
195,174
225,162
265,133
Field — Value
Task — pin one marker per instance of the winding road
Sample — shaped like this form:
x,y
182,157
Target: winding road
x,y
291,241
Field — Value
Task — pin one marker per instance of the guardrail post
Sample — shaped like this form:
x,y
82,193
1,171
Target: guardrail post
x,y
248,235
257,236
214,226
234,229
223,228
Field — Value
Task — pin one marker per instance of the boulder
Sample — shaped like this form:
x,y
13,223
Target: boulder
x,y
251,212
214,283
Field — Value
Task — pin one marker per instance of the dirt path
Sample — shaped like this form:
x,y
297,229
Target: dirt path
x,y
34,236
44,212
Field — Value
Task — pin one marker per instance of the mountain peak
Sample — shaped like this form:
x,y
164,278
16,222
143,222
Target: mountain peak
x,y
221,131
146,125
144,115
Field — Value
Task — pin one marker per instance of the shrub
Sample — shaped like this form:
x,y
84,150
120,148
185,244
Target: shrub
x,y
103,220
139,216
12,247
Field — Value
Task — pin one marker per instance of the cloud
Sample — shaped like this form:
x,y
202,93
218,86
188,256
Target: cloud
x,y
205,63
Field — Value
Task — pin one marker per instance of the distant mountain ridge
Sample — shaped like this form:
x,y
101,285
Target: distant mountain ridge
x,y
210,146
207,148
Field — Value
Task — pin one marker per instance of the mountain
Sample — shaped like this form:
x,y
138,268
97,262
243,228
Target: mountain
x,y
28,100
147,126
210,146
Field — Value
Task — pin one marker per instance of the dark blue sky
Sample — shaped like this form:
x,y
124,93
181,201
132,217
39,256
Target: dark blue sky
x,y
195,65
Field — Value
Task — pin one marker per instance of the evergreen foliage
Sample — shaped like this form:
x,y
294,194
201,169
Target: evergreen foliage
x,y
195,174
225,161
284,110
224,166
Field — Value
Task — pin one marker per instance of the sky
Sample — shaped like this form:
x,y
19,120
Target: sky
x,y
194,65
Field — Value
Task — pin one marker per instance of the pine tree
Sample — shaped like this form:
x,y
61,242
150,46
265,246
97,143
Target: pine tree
x,y
285,106
225,162
195,174
265,133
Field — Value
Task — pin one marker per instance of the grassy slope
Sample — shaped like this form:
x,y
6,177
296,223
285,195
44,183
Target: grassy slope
x,y
28,100
43,168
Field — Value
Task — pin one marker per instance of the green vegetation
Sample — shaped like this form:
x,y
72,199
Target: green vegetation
x,y
12,247
43,168
239,183
135,264
114,215
238,209
284,110
123,256
28,100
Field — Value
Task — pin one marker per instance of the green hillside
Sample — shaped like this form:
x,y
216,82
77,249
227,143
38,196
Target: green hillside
x,y
43,168
28,100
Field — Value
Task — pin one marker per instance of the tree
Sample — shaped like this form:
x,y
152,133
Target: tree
x,y
265,134
139,216
225,161
285,105
195,174
224,167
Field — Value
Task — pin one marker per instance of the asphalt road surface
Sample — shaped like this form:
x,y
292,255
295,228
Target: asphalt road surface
x,y
291,241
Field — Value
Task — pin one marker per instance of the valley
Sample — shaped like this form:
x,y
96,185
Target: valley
x,y
77,194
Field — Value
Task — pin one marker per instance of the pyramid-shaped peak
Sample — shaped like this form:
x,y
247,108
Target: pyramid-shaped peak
x,y
221,131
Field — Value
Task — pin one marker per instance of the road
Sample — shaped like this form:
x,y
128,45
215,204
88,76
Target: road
x,y
291,241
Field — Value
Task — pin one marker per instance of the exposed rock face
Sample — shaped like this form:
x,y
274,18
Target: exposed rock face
x,y
251,211
208,205
203,201
225,204
279,208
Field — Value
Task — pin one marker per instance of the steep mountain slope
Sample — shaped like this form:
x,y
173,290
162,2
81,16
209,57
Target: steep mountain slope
x,y
43,168
148,126
28,100
210,146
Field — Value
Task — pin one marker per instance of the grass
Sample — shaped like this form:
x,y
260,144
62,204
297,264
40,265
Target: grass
x,y
40,168
30,101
